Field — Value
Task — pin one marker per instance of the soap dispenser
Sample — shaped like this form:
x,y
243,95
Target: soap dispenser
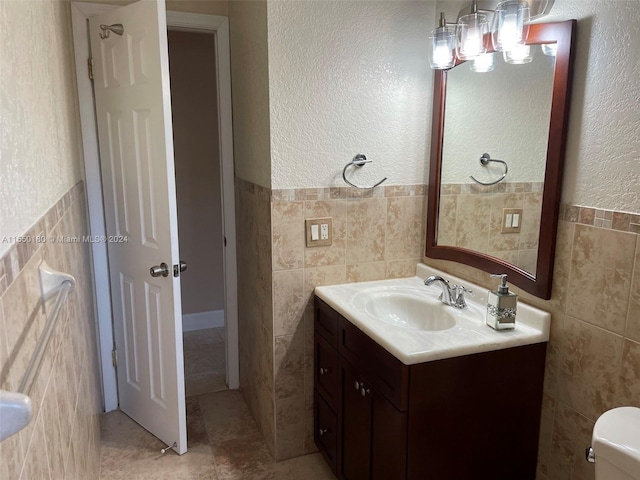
x,y
501,306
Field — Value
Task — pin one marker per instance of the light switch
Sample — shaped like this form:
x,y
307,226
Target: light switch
x,y
318,232
511,220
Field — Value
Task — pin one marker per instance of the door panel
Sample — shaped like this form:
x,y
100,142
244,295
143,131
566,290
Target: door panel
x,y
133,113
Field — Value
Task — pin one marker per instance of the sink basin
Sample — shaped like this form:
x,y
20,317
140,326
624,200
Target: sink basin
x,y
406,318
408,311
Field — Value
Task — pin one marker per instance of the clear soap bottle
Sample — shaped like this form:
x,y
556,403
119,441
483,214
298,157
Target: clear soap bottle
x,y
501,306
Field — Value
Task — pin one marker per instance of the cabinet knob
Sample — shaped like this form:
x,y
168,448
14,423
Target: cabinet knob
x,y
323,370
322,431
357,385
364,392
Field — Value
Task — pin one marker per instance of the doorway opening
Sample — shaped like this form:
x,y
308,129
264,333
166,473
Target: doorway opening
x,y
194,108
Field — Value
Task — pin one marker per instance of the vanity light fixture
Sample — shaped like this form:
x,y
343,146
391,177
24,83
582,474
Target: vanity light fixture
x,y
509,30
442,43
482,64
470,32
518,55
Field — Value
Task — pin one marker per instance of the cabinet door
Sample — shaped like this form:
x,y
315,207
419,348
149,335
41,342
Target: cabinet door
x,y
388,440
356,424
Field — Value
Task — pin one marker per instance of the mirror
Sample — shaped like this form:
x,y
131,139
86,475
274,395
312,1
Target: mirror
x,y
510,121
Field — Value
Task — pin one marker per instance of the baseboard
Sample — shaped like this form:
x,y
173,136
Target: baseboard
x,y
202,320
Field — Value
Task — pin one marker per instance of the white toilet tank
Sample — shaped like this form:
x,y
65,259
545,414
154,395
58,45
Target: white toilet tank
x,y
616,444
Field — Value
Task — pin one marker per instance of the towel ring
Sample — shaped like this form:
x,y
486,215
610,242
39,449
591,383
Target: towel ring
x,y
484,160
358,161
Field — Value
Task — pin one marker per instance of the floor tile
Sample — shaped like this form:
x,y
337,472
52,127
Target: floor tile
x,y
226,416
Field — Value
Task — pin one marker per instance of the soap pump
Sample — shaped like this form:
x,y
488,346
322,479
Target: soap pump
x,y
501,306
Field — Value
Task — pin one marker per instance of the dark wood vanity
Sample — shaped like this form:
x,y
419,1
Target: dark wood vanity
x,y
463,418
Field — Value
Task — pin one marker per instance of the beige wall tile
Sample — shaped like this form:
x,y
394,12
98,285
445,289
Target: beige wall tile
x,y
628,391
588,367
309,443
335,253
600,277
290,423
288,301
287,220
289,366
571,432
404,227
315,277
366,272
472,219
401,268
447,220
546,432
531,211
633,316
366,225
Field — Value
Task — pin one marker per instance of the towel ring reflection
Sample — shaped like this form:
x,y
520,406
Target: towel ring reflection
x,y
484,160
358,161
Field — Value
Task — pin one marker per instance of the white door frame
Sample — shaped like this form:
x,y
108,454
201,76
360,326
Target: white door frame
x,y
219,25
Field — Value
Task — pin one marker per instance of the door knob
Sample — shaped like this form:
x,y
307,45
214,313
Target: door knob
x,y
161,270
183,266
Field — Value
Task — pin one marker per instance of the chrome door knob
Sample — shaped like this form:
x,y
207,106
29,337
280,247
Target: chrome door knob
x,y
161,270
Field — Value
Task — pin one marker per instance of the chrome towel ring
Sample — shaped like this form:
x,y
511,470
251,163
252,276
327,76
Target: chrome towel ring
x,y
484,160
358,161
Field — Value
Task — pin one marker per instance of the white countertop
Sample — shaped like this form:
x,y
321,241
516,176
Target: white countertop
x,y
469,335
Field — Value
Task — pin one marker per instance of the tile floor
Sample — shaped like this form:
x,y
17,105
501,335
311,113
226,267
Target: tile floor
x,y
204,361
224,441
224,444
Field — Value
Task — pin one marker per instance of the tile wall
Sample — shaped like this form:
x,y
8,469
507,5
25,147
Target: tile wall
x,y
593,357
471,217
376,235
63,439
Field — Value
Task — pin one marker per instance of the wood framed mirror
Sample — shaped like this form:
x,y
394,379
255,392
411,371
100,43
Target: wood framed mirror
x,y
466,220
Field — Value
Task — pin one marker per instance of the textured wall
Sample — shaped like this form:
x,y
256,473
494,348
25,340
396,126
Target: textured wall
x,y
603,155
344,78
195,139
250,86
39,147
504,113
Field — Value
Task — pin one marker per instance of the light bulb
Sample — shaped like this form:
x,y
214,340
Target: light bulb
x,y
441,51
518,55
482,64
510,25
470,36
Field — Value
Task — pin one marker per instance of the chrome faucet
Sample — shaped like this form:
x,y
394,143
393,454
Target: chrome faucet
x,y
451,294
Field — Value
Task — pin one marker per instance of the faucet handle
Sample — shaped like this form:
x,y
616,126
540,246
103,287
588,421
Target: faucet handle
x,y
458,295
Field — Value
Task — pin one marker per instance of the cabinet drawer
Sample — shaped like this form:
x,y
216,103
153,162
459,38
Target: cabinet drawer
x,y
387,374
326,322
326,371
325,430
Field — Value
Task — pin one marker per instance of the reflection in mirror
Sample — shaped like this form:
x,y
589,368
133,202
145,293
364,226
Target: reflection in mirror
x,y
512,122
505,113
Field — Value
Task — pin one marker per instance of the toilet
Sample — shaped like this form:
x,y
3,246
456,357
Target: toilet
x,y
615,445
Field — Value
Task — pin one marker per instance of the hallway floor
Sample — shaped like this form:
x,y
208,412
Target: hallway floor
x,y
204,361
224,444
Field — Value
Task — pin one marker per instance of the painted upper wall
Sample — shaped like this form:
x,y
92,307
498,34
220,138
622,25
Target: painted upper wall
x,y
40,151
349,77
250,91
602,168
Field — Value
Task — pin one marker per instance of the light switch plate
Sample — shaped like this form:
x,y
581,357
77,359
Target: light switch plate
x,y
324,227
511,220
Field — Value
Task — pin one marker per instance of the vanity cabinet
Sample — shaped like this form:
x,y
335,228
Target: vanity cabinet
x,y
462,418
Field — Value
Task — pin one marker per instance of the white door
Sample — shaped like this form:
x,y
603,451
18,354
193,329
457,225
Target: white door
x,y
133,109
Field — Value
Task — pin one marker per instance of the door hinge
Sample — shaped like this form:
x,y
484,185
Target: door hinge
x,y
90,67
114,358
